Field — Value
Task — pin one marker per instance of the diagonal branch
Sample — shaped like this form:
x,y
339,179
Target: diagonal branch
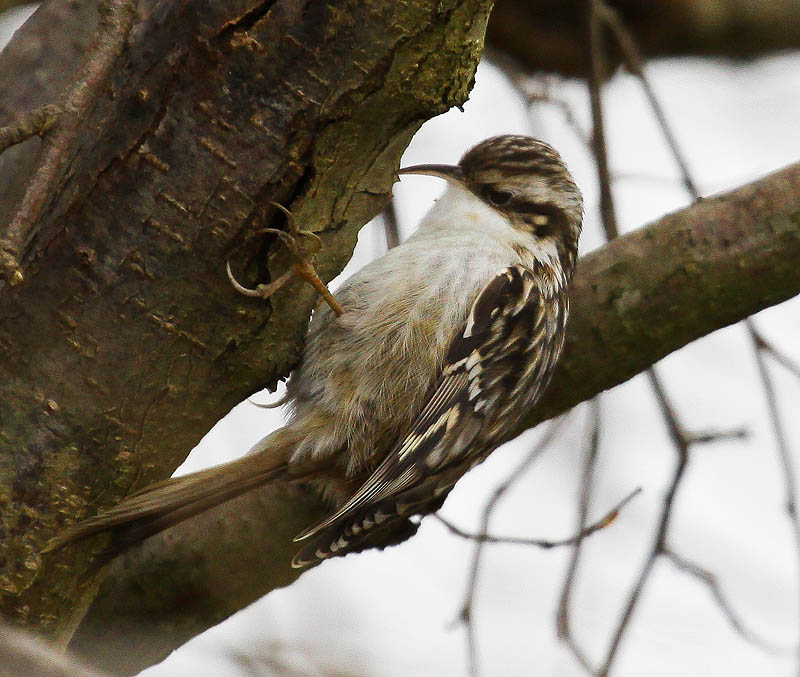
x,y
63,124
711,581
633,302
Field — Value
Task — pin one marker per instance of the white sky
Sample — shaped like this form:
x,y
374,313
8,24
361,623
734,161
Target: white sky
x,y
391,613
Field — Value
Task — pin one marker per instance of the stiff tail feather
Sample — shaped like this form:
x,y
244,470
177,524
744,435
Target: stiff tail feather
x,y
168,503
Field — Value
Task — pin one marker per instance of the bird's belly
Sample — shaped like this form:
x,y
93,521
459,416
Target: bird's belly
x,y
365,375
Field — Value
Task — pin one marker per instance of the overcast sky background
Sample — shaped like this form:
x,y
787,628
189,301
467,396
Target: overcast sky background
x,y
391,613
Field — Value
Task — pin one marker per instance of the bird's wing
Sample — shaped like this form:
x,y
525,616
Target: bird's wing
x,y
485,363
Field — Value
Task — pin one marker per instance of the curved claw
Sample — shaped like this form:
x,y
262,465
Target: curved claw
x,y
289,216
239,287
294,232
302,267
272,405
288,238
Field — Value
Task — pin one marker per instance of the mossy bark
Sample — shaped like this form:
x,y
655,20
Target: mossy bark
x,y
125,342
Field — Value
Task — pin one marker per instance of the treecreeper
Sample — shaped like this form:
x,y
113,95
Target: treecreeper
x,y
441,346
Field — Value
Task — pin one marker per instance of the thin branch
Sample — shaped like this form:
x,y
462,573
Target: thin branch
x,y
680,441
710,436
784,453
605,521
677,435
712,583
391,228
465,615
774,353
682,447
633,59
563,624
35,123
116,19
596,70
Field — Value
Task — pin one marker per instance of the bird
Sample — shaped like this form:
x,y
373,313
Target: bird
x,y
444,344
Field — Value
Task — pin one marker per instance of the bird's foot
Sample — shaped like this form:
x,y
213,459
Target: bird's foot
x,y
303,246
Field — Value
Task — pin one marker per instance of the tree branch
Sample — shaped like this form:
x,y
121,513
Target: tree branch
x,y
633,302
64,125
541,33
24,655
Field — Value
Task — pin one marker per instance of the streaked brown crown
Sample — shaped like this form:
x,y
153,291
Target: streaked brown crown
x,y
514,154
527,181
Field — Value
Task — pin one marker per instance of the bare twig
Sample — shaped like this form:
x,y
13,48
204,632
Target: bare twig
x,y
35,123
633,59
784,453
681,444
679,438
709,436
390,226
596,69
714,587
563,625
774,353
116,19
605,521
465,615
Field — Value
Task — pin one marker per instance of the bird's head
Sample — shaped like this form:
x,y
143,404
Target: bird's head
x,y
527,182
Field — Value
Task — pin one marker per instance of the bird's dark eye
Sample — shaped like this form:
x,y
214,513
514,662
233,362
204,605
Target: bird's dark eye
x,y
542,231
498,197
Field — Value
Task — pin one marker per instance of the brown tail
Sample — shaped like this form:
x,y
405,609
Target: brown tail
x,y
166,504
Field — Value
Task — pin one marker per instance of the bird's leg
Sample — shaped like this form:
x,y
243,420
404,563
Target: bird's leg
x,y
303,266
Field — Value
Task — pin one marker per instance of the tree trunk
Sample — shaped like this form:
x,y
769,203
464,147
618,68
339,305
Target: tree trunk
x,y
124,343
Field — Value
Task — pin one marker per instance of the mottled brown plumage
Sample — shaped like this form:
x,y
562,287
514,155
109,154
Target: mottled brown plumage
x,y
445,343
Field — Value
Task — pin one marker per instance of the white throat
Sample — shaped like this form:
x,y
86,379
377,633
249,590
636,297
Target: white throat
x,y
459,210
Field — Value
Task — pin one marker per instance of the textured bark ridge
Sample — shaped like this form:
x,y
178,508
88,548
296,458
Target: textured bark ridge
x,y
125,342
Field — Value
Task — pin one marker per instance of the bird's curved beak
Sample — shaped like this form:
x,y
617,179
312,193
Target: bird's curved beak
x,y
452,173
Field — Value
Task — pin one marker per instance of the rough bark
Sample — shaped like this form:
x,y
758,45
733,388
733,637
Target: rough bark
x,y
633,302
124,343
541,34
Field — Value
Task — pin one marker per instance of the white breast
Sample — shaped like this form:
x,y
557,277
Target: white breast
x,y
365,375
